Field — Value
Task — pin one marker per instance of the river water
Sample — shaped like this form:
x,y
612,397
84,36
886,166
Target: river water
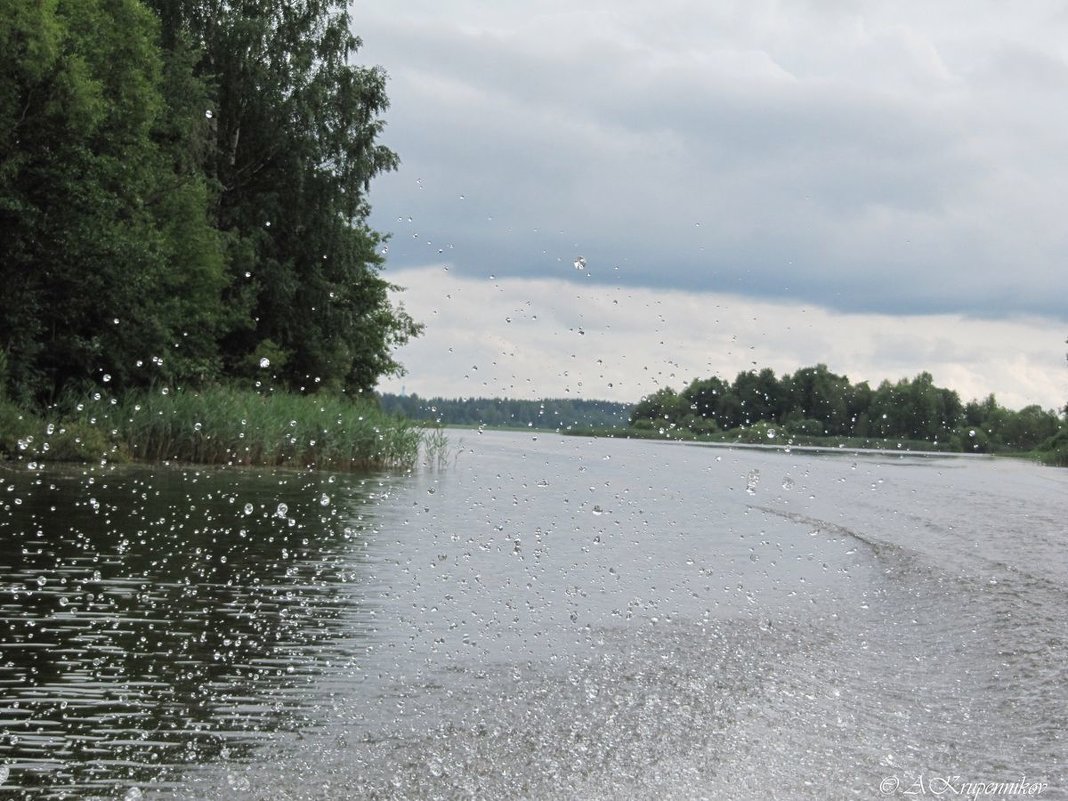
x,y
545,617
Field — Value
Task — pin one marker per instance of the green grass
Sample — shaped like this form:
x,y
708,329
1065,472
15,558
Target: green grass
x,y
219,425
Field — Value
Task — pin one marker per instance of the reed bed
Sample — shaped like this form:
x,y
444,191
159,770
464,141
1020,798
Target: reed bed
x,y
223,425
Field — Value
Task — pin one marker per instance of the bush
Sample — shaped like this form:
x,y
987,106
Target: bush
x,y
15,427
805,428
700,425
763,432
1054,451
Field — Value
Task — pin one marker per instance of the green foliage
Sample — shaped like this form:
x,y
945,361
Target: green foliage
x,y
292,150
814,402
763,432
228,426
663,407
30,437
183,187
219,425
1054,451
699,425
1028,428
805,428
15,426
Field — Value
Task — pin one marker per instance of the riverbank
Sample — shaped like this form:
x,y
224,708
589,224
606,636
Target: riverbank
x,y
1053,453
215,426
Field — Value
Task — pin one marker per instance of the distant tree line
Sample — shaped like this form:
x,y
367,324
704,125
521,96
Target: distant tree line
x,y
816,402
183,197
551,413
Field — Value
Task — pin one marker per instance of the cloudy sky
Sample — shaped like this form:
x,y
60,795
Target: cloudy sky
x,y
877,186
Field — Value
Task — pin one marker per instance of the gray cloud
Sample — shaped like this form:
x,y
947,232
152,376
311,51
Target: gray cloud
x,y
864,156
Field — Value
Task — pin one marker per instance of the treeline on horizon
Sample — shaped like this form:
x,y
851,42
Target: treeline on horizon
x,y
183,199
815,402
549,413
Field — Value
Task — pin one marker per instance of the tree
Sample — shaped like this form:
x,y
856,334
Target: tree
x,y
703,397
106,261
294,129
757,395
663,407
1027,428
183,194
818,394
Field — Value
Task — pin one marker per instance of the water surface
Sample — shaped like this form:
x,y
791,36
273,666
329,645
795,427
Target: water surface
x,y
547,617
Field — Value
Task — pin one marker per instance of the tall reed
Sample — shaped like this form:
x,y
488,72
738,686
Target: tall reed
x,y
224,425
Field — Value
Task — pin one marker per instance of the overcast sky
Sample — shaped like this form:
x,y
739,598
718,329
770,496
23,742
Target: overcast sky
x,y
876,186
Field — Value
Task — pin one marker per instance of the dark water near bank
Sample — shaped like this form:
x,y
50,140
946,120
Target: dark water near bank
x,y
545,618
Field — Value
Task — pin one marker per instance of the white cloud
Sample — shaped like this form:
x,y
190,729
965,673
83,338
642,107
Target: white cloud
x,y
550,337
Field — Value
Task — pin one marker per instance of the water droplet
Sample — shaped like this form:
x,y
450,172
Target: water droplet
x,y
751,482
265,363
133,794
580,263
324,500
239,782
209,114
197,426
597,510
771,433
5,772
248,508
281,510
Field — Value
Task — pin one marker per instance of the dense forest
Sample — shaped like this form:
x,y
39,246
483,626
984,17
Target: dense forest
x,y
551,413
183,198
814,402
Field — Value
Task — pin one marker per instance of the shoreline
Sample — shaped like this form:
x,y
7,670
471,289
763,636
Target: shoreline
x,y
218,426
833,446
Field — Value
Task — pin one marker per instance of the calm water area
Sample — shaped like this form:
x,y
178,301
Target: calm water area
x,y
544,617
